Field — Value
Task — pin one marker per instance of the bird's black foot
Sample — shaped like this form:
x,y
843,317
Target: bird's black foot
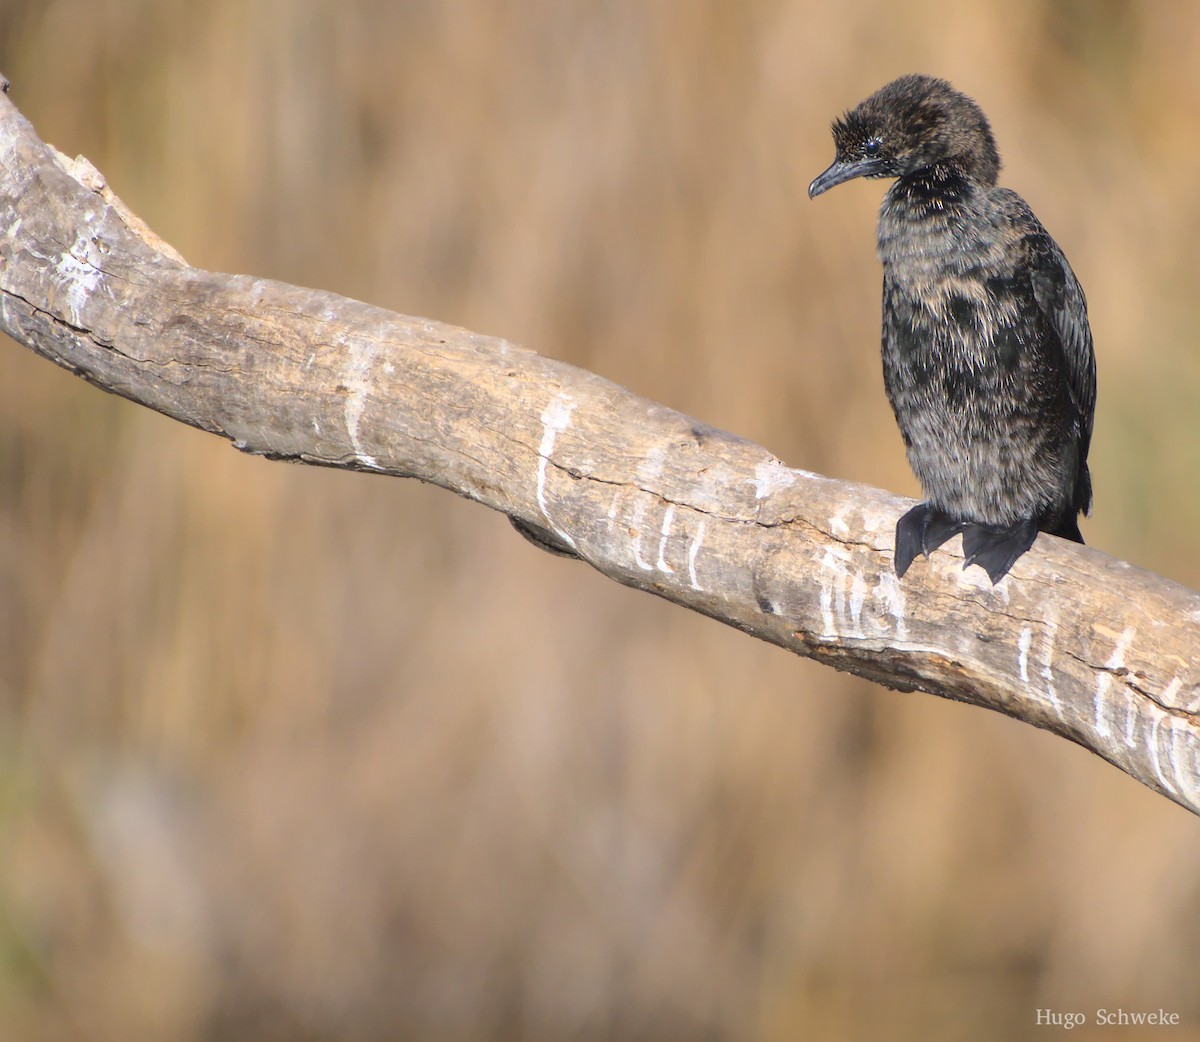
x,y
921,531
996,549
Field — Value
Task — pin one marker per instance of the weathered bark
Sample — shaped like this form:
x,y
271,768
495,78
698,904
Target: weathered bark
x,y
1073,641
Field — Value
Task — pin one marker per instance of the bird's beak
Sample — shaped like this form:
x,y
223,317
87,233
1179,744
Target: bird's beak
x,y
841,170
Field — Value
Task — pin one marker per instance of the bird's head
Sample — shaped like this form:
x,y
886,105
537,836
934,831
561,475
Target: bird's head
x,y
913,123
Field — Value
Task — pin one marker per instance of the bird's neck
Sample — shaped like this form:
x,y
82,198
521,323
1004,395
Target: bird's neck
x,y
933,188
929,218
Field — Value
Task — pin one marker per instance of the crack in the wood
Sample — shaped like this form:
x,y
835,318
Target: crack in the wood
x,y
579,475
1129,679
90,335
58,320
785,522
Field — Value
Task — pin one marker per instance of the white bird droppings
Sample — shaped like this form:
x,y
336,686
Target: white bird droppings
x,y
1051,632
838,526
1115,661
357,379
668,518
556,418
1023,652
771,476
79,276
890,594
693,550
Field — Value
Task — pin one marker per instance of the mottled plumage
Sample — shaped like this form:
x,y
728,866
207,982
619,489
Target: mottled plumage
x,y
987,353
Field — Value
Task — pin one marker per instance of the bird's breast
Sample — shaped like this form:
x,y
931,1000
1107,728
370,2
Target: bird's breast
x,y
949,262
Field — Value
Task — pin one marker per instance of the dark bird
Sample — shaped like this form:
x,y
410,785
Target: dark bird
x,y
987,353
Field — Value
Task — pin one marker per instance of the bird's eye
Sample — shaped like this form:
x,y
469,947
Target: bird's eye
x,y
872,148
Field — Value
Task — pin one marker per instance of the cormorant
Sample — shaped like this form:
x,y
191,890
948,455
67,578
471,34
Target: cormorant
x,y
987,353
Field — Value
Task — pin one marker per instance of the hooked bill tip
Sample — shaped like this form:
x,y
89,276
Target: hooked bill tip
x,y
839,172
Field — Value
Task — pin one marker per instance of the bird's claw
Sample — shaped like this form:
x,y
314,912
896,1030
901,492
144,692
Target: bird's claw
x,y
921,531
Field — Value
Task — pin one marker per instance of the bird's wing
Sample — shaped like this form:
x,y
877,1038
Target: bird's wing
x,y
1061,300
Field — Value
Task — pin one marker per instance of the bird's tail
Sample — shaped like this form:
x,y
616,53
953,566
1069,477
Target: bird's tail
x,y
1083,490
1066,524
1065,528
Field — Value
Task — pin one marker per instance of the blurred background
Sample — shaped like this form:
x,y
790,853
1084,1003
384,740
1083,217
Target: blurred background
x,y
287,753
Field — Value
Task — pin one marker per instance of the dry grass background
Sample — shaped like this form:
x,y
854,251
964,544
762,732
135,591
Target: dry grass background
x,y
294,754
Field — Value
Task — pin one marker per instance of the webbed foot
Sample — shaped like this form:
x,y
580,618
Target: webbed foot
x,y
921,531
996,549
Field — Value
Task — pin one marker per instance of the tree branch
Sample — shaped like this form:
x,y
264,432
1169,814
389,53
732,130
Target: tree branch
x,y
1072,641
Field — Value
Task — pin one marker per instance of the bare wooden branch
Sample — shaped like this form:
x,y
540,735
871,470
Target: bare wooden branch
x,y
1072,641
